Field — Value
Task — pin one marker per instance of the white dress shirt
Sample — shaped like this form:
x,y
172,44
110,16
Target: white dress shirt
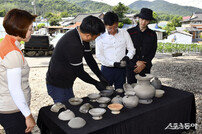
x,y
112,48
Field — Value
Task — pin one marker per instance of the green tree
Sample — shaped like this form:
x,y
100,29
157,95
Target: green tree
x,y
127,21
48,15
40,25
176,21
64,14
2,13
120,24
54,21
171,26
155,16
120,10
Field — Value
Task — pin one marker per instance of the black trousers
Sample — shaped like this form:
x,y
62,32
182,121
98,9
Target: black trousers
x,y
13,123
115,76
130,74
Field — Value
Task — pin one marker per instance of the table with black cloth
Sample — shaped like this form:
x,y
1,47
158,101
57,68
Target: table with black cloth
x,y
176,106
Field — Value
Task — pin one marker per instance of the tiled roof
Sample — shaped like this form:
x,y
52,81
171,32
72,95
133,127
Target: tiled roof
x,y
74,25
80,17
182,32
197,16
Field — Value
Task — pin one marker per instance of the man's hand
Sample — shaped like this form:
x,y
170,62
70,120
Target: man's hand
x,y
103,80
30,123
140,65
100,86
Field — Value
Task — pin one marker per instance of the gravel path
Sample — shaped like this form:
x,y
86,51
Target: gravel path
x,y
184,72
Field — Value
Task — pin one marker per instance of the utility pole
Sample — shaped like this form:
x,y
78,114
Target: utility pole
x,y
34,4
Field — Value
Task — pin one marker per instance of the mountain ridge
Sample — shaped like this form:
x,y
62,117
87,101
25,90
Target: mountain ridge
x,y
165,7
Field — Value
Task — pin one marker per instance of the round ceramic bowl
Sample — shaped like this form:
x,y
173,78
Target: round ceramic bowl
x,y
119,90
66,115
106,93
159,93
103,101
85,107
75,101
93,96
115,108
77,122
97,113
110,88
57,106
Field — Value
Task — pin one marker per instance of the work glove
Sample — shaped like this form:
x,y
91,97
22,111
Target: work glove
x,y
119,64
126,59
100,86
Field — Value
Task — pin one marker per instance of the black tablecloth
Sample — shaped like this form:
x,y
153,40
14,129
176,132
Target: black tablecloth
x,y
176,106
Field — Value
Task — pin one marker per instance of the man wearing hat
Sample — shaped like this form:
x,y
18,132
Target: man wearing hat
x,y
145,43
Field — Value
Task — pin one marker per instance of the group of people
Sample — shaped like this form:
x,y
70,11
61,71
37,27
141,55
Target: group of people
x,y
122,53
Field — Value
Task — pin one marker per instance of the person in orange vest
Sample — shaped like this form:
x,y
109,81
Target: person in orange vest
x,y
15,93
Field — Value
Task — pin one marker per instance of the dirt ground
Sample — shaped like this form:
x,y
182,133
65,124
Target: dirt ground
x,y
184,72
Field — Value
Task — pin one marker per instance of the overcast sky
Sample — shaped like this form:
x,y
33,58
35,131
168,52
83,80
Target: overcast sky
x,y
194,3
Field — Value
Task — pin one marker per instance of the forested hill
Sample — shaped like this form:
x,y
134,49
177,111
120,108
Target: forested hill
x,y
164,7
72,7
92,6
42,6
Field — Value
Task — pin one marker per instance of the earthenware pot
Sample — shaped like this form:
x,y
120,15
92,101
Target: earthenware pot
x,y
130,100
117,99
144,90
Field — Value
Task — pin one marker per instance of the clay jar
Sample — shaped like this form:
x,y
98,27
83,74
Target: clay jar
x,y
144,90
130,100
117,99
156,83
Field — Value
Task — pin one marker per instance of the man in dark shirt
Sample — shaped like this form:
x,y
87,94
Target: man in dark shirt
x,y
66,63
145,43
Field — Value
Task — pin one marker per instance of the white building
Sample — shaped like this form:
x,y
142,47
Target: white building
x,y
159,32
180,37
2,30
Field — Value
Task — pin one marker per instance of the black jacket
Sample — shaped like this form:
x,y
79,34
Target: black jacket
x,y
145,44
66,62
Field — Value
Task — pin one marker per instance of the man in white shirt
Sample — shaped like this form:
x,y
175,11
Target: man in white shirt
x,y
111,51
